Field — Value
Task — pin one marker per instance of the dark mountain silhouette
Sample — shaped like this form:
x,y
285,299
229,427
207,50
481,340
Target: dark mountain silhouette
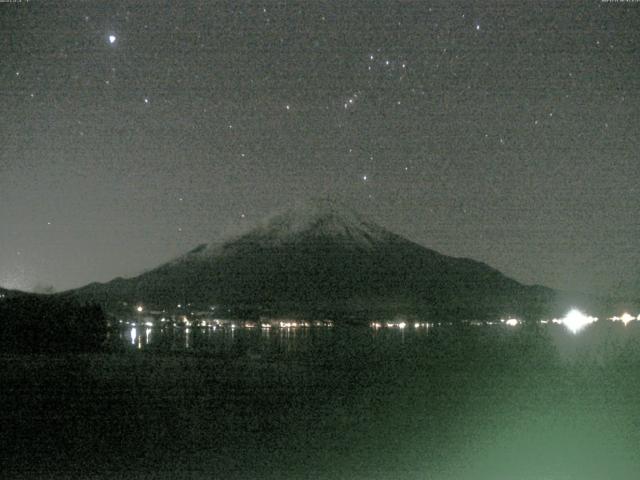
x,y
6,293
323,259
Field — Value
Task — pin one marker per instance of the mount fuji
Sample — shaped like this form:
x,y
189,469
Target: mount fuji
x,y
325,259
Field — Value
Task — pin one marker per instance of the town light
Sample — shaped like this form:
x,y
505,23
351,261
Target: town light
x,y
575,320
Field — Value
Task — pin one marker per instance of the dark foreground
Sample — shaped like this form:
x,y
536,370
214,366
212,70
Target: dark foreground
x,y
454,403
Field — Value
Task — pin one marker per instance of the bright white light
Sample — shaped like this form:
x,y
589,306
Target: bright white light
x,y
134,334
402,325
512,322
625,318
139,308
112,39
575,320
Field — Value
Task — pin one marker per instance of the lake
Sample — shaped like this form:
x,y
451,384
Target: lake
x,y
439,402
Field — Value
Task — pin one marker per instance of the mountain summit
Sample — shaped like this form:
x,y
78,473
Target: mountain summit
x,y
317,221
322,258
323,218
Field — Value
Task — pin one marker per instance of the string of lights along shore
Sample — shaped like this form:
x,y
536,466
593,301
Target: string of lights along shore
x,y
506,132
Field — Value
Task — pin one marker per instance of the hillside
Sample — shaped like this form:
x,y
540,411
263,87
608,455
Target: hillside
x,y
324,259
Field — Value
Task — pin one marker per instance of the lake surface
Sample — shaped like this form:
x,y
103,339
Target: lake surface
x,y
445,402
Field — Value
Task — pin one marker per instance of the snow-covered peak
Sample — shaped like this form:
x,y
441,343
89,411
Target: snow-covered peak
x,y
323,218
320,218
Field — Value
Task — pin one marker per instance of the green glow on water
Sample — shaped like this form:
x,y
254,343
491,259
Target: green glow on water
x,y
454,403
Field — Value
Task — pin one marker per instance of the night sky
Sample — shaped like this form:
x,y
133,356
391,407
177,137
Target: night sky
x,y
507,132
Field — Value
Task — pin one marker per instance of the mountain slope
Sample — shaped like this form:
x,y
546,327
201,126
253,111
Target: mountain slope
x,y
324,258
5,293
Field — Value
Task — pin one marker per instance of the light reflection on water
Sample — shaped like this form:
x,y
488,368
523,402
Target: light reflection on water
x,y
507,395
489,402
220,339
596,341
